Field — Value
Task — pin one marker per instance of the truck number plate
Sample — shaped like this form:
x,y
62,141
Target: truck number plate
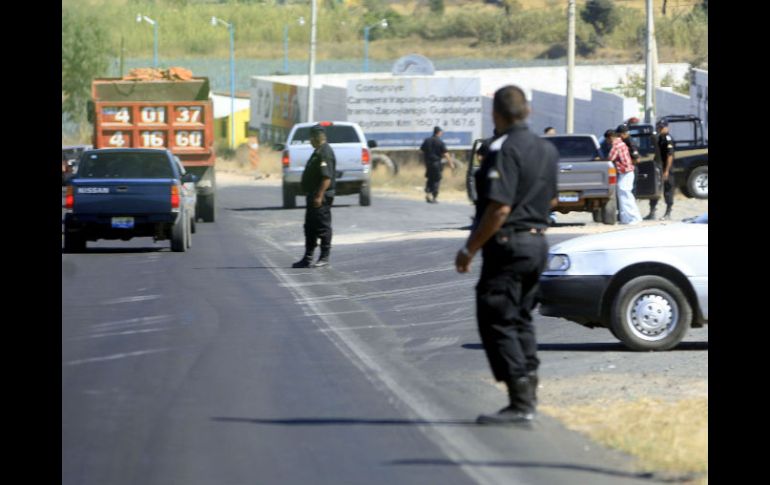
x,y
569,197
123,222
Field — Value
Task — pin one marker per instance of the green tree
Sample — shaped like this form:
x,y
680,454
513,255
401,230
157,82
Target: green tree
x,y
83,57
602,15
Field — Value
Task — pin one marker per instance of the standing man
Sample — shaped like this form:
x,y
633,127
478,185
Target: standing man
x,y
516,189
664,159
633,150
606,144
318,181
434,150
620,156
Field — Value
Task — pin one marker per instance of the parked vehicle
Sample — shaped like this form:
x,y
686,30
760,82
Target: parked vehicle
x,y
127,193
647,285
175,114
691,157
351,150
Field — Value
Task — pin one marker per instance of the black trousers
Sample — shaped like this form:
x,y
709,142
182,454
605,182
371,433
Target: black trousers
x,y
318,225
505,297
433,173
668,194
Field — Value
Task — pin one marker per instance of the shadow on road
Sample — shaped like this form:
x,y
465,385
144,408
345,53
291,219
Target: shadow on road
x,y
563,466
246,267
277,208
598,347
347,422
117,250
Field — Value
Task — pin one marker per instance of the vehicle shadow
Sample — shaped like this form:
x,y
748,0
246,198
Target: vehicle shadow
x,y
652,476
347,422
278,208
599,347
241,267
117,250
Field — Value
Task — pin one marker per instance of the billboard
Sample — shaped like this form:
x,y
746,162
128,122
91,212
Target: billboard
x,y
400,112
275,108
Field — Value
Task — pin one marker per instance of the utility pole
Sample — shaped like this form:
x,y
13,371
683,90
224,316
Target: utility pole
x,y
311,66
570,67
649,114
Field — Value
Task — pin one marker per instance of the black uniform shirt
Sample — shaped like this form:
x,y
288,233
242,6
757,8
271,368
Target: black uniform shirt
x,y
322,164
633,150
433,149
664,149
519,171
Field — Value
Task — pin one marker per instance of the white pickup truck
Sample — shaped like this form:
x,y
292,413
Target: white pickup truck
x,y
351,150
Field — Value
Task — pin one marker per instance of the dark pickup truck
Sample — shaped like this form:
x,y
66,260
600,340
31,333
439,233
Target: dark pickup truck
x,y
127,193
691,152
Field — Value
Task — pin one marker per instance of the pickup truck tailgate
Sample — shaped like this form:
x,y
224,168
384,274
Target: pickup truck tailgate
x,y
348,156
122,196
580,176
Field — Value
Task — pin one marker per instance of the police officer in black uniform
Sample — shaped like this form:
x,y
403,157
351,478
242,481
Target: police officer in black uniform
x,y
516,190
434,150
318,181
664,159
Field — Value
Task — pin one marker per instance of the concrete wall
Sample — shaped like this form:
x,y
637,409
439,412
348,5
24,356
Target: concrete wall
x,y
602,110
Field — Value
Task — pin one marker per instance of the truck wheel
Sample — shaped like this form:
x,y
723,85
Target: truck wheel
x,y
289,199
384,160
610,211
650,313
192,224
597,215
698,182
365,196
189,232
74,242
179,235
206,208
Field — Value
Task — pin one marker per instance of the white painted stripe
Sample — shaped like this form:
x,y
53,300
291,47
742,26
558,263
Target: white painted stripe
x,y
114,357
130,322
117,334
406,325
131,299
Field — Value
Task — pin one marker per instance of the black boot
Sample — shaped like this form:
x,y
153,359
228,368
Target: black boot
x,y
533,381
323,259
521,410
667,215
305,262
650,216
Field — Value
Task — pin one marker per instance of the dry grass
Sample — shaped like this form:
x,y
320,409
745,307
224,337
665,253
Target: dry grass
x,y
410,182
665,436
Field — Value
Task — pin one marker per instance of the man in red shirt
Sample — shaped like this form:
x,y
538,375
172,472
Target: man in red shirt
x,y
620,156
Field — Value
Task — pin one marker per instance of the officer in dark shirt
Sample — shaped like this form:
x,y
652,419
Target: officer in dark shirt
x,y
516,190
434,149
664,158
318,181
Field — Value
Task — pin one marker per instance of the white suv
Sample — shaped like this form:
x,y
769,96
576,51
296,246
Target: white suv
x,y
351,150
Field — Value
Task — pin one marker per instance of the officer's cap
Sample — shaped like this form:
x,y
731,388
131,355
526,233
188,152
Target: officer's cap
x,y
437,130
661,123
621,129
317,129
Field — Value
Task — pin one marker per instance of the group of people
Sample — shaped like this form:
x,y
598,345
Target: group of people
x,y
517,189
619,148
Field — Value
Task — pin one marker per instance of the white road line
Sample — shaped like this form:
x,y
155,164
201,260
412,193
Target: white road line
x,y
131,299
117,334
370,327
373,279
114,357
130,322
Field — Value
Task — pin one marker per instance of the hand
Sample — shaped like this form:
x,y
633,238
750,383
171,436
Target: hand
x,y
463,261
665,175
318,201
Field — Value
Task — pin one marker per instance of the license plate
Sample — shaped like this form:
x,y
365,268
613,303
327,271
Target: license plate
x,y
123,222
569,197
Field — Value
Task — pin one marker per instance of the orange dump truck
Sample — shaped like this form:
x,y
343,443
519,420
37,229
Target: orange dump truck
x,y
164,111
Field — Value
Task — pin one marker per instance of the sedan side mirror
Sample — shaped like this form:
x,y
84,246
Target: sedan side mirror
x,y
372,143
189,177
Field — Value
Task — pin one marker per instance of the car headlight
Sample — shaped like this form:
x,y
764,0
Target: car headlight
x,y
557,262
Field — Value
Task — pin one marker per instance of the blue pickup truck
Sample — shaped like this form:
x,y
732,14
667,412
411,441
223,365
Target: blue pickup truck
x,y
127,193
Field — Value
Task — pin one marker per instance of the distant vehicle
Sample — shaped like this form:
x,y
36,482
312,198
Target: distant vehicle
x,y
691,155
351,150
647,285
127,193
177,115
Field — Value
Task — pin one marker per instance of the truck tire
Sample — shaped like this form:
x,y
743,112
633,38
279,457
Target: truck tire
x,y
698,182
384,160
74,242
189,232
365,196
610,211
289,198
597,215
206,208
179,235
650,313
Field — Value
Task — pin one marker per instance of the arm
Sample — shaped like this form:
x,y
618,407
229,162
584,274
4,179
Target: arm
x,y
319,196
449,160
491,221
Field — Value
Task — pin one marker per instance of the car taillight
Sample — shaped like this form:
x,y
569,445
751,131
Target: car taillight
x,y
613,175
69,201
174,197
365,156
285,158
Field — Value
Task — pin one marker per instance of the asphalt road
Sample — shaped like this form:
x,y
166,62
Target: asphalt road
x,y
223,365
